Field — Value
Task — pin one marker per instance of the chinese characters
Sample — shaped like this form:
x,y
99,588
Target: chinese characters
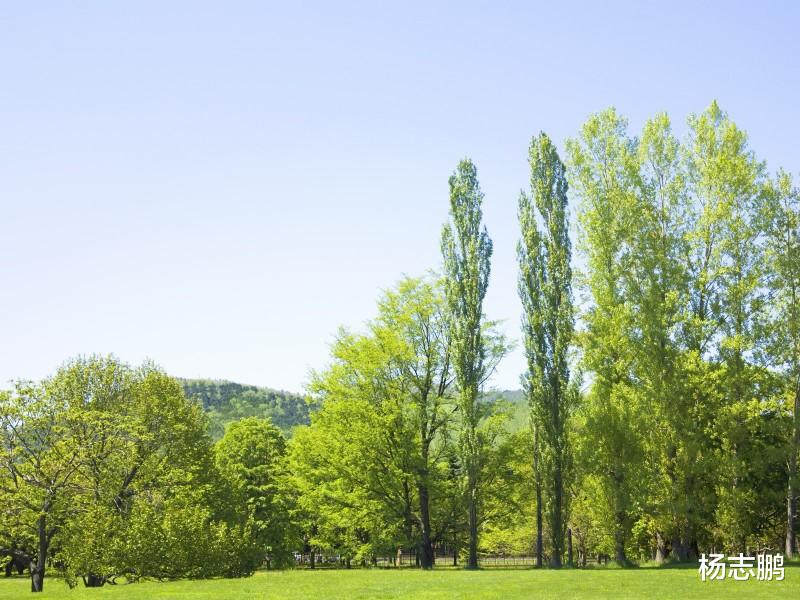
x,y
768,567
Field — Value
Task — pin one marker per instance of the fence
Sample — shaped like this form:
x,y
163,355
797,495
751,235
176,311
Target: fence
x,y
406,560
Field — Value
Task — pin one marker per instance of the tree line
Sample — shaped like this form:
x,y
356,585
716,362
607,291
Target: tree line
x,y
662,386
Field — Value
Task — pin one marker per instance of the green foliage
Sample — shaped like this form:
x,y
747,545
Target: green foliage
x,y
781,220
379,466
467,252
251,458
508,511
673,236
545,289
375,464
109,471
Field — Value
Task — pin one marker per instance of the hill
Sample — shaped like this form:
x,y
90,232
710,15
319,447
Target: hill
x,y
226,401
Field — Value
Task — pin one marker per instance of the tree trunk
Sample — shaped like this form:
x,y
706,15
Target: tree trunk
x,y
37,567
539,540
37,578
93,580
619,542
791,491
694,550
538,482
680,550
791,511
569,547
661,548
619,551
582,551
408,519
426,549
556,519
472,560
425,552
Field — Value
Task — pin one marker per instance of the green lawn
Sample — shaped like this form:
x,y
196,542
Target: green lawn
x,y
489,583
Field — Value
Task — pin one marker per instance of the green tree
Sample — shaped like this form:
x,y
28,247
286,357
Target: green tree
x,y
158,444
655,284
782,224
676,277
415,312
352,464
467,252
251,459
725,283
42,459
113,468
377,467
603,172
545,288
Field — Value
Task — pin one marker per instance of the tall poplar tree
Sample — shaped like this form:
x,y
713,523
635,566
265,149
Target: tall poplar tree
x,y
545,288
783,260
604,175
723,266
467,251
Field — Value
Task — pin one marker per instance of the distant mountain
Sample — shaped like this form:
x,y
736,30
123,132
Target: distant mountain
x,y
514,397
226,401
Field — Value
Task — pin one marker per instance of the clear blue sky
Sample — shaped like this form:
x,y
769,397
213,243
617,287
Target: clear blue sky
x,y
219,186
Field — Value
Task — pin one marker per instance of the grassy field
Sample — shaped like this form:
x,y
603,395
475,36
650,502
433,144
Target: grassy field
x,y
456,584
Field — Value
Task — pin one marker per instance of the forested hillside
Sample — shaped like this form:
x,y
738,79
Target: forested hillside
x,y
226,401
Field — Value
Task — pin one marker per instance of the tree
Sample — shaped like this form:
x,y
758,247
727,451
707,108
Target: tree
x,y
467,251
395,381
545,288
782,224
353,465
251,459
416,312
112,467
723,178
507,480
655,285
158,446
601,164
676,274
41,459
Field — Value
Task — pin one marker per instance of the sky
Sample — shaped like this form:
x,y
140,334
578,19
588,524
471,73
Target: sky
x,y
218,187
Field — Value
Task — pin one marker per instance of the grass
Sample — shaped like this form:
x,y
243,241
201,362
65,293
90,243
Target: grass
x,y
498,584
